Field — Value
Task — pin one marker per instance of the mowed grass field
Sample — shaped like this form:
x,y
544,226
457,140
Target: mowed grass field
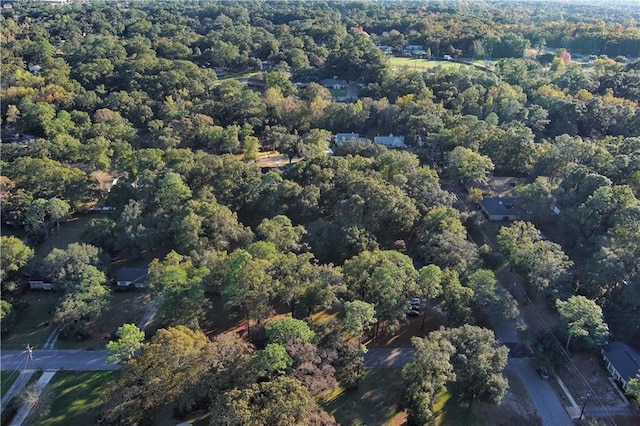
x,y
76,398
421,64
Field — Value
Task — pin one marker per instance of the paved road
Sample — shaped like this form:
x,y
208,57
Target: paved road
x,y
57,360
544,398
388,357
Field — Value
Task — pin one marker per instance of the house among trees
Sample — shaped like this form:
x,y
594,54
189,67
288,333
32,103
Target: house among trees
x,y
334,83
623,362
390,141
38,281
341,138
132,277
499,208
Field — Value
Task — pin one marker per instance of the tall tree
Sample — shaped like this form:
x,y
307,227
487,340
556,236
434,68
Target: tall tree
x,y
130,339
478,362
426,375
178,283
583,318
14,255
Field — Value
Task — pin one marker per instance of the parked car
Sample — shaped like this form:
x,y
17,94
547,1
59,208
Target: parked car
x,y
415,301
543,373
412,313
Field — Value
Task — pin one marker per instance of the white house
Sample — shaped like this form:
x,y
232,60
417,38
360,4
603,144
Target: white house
x,y
390,141
623,362
341,138
40,282
128,277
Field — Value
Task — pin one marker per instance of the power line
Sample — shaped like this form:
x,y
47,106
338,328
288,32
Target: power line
x,y
566,356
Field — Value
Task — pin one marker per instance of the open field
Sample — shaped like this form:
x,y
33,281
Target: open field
x,y
33,324
124,308
375,402
76,398
421,64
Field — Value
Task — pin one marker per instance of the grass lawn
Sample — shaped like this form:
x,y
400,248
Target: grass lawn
x,y
69,233
375,402
338,93
240,75
76,397
32,326
421,64
7,378
516,408
125,307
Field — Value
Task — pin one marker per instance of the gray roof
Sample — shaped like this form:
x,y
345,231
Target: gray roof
x,y
499,206
333,82
132,275
391,141
624,358
343,137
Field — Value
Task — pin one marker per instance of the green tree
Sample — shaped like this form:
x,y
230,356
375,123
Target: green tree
x,y
359,316
456,298
280,231
57,209
66,267
279,402
429,285
14,255
129,342
285,330
166,369
478,362
492,298
469,166
179,287
272,361
83,304
426,375
633,390
583,318
382,278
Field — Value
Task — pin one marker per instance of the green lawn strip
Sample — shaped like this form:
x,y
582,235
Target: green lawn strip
x,y
337,93
7,378
33,324
76,397
421,64
376,401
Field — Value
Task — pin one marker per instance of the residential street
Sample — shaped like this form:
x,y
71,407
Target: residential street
x,y
387,357
75,360
544,398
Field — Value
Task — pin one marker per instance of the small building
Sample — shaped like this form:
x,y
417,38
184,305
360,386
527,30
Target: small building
x,y
334,83
38,281
499,208
132,277
623,362
341,138
390,141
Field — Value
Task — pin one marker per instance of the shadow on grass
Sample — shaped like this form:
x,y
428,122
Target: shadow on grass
x,y
377,400
77,397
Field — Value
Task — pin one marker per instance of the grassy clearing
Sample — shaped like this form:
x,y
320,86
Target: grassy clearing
x,y
33,324
69,233
376,401
77,397
421,64
7,378
516,408
240,75
338,93
124,308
